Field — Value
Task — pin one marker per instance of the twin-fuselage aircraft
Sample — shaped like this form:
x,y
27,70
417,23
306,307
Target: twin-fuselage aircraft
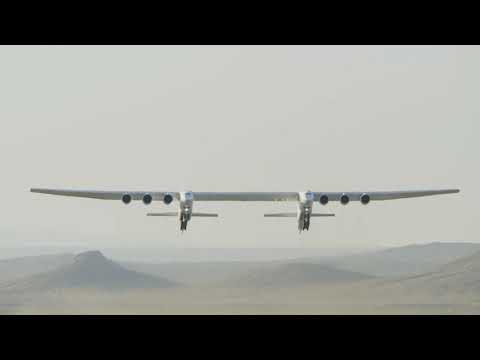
x,y
185,199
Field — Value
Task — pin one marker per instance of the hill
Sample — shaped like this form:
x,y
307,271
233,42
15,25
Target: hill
x,y
406,260
11,269
459,277
295,274
394,262
89,270
201,272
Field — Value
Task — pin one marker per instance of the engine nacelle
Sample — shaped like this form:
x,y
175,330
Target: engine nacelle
x,y
365,199
324,199
344,199
147,199
126,198
167,199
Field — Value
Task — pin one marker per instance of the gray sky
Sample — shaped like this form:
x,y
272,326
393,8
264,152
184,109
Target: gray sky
x,y
238,118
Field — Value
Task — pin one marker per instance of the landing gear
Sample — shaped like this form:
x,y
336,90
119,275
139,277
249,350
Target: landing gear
x,y
183,222
306,219
306,224
183,225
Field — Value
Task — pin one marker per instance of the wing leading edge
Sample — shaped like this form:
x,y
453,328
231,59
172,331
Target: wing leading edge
x,y
244,196
105,195
383,195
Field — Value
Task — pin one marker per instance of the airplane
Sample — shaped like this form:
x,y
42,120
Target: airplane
x,y
304,200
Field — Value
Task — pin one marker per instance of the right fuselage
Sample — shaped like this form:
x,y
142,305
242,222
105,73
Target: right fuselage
x,y
186,208
304,209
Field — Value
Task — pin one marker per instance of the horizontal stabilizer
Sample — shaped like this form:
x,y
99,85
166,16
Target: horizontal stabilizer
x,y
177,214
204,214
281,215
163,214
294,215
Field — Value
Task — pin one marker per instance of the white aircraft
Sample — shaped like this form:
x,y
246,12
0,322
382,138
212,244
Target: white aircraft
x,y
304,200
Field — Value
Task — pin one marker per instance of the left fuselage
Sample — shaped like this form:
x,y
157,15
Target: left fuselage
x,y
304,209
186,208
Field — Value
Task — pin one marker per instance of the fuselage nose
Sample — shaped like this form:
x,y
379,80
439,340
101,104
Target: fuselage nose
x,y
305,203
186,205
306,198
186,196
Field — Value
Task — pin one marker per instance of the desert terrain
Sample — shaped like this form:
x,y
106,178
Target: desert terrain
x,y
437,278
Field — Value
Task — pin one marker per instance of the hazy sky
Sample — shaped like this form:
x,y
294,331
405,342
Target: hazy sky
x,y
238,118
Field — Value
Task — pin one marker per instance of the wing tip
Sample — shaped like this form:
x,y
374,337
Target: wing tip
x,y
40,190
453,191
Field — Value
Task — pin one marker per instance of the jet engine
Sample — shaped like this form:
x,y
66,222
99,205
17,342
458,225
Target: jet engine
x,y
147,199
344,199
324,199
167,199
126,198
365,199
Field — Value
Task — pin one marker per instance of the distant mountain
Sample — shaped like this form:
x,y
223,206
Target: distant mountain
x,y
89,270
397,262
11,269
200,272
458,277
394,262
405,260
295,274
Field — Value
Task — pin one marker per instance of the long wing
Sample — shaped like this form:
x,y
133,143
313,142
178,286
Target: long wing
x,y
158,195
105,195
244,196
383,195
332,196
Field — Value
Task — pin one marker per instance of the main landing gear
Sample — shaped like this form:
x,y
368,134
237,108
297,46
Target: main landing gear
x,y
306,219
183,222
306,224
